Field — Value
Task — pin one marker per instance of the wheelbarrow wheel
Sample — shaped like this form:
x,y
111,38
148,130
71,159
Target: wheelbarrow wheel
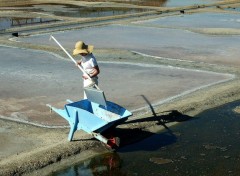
x,y
113,142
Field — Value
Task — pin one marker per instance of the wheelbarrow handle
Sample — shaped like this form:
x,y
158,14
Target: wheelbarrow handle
x,y
51,37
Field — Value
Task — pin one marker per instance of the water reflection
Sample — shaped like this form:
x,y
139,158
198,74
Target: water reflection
x,y
6,23
206,146
68,10
88,12
154,3
108,164
163,3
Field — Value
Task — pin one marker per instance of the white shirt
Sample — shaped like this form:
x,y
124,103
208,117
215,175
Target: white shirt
x,y
88,63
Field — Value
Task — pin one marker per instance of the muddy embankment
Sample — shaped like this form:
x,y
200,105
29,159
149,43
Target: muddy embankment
x,y
42,150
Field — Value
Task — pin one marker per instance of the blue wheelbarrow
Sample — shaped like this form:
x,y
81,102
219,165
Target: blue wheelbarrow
x,y
93,115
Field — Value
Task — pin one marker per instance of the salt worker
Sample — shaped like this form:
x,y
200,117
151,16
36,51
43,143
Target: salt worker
x,y
88,63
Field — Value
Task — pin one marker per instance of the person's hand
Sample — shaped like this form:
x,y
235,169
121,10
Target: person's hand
x,y
78,62
84,77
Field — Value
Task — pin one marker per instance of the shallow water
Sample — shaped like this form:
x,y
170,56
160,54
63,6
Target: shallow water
x,y
161,42
207,145
11,22
177,3
198,20
233,9
67,10
166,3
64,10
89,12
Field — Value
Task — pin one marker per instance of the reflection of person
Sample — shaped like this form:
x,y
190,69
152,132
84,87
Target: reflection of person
x,y
88,63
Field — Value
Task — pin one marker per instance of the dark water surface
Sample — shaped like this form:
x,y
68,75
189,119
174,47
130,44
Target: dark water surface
x,y
61,10
68,10
206,145
11,22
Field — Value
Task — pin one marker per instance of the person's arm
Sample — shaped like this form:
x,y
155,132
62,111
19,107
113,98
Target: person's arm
x,y
95,71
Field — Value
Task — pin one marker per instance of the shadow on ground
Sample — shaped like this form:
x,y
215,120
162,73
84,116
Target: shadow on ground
x,y
166,137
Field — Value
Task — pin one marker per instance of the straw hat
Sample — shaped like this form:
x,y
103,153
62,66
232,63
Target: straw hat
x,y
81,47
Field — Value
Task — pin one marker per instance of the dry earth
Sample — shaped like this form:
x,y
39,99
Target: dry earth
x,y
30,150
